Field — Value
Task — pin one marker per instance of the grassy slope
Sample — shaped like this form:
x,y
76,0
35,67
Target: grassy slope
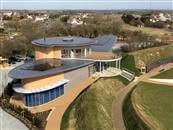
x,y
155,104
135,60
128,62
92,109
150,55
168,74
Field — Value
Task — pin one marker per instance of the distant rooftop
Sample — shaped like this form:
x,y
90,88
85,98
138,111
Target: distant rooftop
x,y
46,67
63,41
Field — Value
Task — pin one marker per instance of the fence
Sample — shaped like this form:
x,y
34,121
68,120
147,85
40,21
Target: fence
x,y
158,63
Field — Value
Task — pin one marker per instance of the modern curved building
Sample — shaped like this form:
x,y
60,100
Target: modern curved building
x,y
60,65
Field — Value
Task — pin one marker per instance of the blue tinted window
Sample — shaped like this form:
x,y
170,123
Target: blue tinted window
x,y
29,100
46,96
41,98
33,100
61,90
57,92
36,99
52,94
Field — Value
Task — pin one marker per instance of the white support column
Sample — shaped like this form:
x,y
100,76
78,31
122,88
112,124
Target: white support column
x,y
85,52
74,53
71,53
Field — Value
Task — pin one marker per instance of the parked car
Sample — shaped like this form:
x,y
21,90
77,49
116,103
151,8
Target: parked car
x,y
13,60
21,58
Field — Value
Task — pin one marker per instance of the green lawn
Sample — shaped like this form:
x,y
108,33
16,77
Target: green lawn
x,y
168,74
155,102
92,109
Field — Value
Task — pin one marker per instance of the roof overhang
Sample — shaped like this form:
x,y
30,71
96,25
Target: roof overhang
x,y
19,89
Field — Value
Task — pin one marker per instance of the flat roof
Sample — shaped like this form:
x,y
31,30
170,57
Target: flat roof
x,y
24,71
104,43
63,41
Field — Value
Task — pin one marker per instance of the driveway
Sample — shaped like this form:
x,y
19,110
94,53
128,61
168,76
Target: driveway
x,y
8,122
4,75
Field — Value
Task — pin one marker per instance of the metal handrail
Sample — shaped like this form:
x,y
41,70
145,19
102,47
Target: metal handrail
x,y
133,73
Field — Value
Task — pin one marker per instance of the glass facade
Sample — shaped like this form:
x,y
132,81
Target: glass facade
x,y
75,53
36,99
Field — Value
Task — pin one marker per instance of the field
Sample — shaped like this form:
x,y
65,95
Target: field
x,y
92,109
168,74
156,32
152,102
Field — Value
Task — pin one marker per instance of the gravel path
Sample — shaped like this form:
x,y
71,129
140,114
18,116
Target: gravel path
x,y
8,122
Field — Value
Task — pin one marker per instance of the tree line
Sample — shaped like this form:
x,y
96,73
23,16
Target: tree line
x,y
92,27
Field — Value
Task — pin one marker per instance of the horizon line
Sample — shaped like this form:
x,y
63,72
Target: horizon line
x,y
86,1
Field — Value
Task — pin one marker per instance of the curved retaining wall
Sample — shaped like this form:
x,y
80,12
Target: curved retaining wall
x,y
159,62
131,118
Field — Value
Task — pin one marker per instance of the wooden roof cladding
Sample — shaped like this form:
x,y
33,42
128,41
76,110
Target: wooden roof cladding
x,y
102,56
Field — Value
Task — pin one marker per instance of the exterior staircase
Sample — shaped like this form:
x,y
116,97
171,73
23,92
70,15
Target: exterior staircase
x,y
127,75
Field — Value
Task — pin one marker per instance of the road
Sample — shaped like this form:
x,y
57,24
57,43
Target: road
x,y
4,75
8,122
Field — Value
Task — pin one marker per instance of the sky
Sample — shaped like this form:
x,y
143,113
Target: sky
x,y
86,4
